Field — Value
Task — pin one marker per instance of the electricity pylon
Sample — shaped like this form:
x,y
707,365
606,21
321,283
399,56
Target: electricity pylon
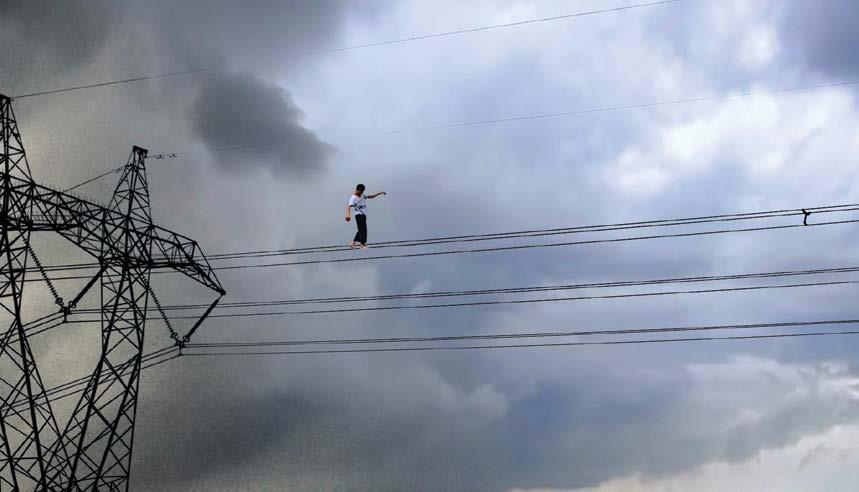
x,y
92,451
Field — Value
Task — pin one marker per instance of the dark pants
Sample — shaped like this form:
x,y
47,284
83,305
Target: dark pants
x,y
361,221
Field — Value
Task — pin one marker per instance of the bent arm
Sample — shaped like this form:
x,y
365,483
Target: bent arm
x,y
348,212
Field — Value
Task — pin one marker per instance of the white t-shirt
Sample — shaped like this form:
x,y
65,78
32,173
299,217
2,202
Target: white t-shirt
x,y
359,204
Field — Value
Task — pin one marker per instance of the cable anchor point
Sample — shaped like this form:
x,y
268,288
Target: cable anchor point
x,y
805,215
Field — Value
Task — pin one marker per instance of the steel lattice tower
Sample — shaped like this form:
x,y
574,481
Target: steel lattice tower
x,y
92,451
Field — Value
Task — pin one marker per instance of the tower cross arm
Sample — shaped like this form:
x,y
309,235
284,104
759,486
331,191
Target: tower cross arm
x,y
90,226
180,253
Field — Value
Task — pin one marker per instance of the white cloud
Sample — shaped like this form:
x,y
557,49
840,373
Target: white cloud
x,y
822,461
770,139
759,46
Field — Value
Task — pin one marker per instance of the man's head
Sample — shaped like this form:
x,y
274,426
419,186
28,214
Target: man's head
x,y
359,190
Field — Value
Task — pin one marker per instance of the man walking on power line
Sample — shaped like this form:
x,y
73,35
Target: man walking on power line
x,y
358,201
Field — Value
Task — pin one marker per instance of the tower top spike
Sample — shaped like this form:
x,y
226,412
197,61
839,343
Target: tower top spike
x,y
13,160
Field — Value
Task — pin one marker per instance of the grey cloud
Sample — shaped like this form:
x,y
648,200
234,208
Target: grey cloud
x,y
823,35
232,107
262,120
237,428
270,35
100,40
322,424
613,435
61,29
402,431
42,40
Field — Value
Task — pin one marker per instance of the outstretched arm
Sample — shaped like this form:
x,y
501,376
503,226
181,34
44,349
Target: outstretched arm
x,y
374,195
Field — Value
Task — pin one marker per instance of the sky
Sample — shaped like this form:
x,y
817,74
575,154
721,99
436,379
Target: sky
x,y
745,414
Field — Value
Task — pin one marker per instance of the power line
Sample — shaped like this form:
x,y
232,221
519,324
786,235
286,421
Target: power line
x,y
152,355
496,26
505,336
142,368
505,290
509,235
35,327
530,246
109,83
516,301
117,170
533,289
498,249
525,301
547,232
81,387
514,235
605,109
533,345
75,385
108,173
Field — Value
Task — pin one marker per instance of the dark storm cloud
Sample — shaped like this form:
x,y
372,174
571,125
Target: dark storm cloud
x,y
233,107
237,430
397,435
823,35
244,111
73,29
46,40
269,35
42,39
258,34
313,433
